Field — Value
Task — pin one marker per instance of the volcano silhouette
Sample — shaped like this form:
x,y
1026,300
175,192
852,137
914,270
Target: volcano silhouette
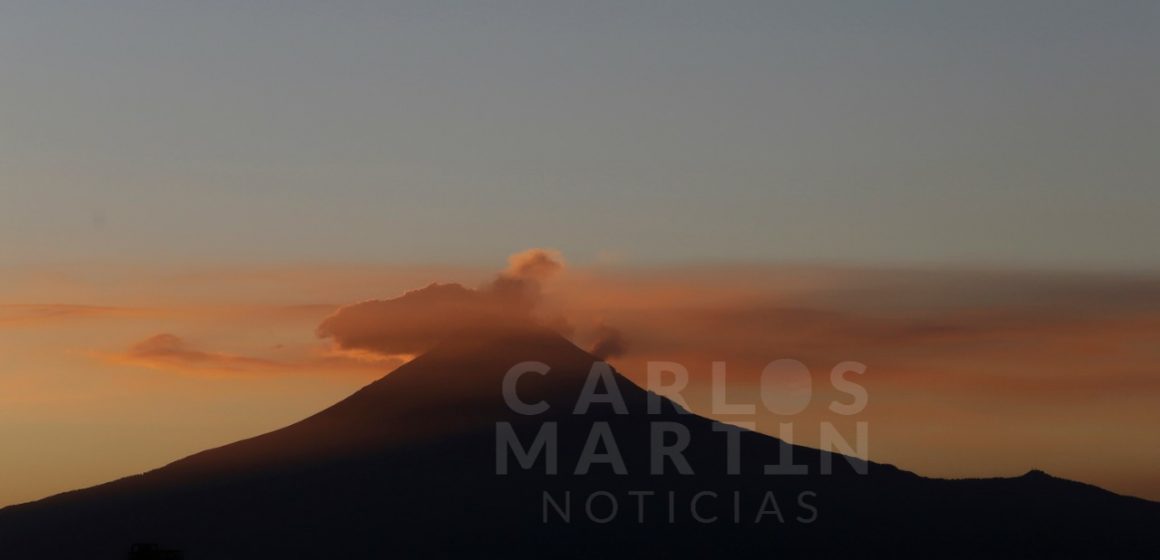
x,y
407,467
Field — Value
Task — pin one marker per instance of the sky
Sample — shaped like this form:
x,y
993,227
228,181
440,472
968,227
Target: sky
x,y
1013,133
962,196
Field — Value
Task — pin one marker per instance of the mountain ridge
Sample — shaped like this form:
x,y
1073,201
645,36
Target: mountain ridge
x,y
409,463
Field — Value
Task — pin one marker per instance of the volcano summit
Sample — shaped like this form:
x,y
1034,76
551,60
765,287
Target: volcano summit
x,y
432,461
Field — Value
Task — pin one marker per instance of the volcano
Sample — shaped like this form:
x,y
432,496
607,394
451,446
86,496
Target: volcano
x,y
432,461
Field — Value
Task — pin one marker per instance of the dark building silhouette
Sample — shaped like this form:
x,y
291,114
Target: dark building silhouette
x,y
153,551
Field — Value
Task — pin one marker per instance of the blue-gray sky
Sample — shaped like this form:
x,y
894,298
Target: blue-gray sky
x,y
1020,133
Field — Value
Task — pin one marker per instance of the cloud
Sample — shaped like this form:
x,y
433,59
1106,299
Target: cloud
x,y
419,319
1036,335
170,352
980,331
166,350
985,332
535,264
413,322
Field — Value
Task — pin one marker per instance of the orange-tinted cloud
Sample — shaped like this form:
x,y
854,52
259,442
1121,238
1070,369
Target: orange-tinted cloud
x,y
979,331
535,264
167,351
419,319
414,321
1036,334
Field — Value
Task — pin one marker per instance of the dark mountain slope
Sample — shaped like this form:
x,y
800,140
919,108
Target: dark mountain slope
x,y
406,467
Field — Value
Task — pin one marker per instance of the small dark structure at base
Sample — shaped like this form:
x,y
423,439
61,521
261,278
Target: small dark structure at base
x,y
153,551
